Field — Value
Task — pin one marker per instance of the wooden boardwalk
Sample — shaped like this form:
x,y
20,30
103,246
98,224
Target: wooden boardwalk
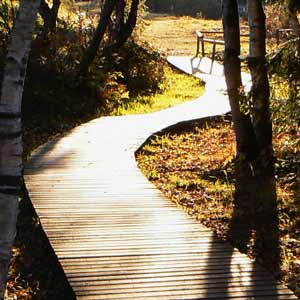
x,y
114,233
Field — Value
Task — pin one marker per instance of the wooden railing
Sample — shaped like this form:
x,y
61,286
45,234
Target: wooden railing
x,y
202,40
280,32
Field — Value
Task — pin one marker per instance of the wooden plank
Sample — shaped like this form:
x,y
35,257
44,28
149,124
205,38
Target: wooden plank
x,y
115,235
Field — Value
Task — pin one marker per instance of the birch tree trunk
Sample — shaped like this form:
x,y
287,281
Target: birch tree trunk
x,y
11,167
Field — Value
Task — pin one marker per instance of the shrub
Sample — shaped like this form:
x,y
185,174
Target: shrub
x,y
141,67
285,71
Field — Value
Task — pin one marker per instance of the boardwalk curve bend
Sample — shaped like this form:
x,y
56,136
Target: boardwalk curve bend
x,y
114,233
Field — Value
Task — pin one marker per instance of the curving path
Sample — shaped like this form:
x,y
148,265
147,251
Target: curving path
x,y
114,233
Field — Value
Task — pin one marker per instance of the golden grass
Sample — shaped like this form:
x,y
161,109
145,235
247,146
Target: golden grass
x,y
176,88
173,35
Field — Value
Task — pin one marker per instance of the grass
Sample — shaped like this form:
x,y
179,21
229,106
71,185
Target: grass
x,y
176,88
195,170
173,35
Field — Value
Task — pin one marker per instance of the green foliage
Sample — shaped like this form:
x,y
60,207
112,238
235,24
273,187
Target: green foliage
x,y
285,71
246,104
286,62
62,51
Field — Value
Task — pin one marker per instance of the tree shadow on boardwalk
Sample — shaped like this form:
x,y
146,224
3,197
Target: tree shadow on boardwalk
x,y
256,229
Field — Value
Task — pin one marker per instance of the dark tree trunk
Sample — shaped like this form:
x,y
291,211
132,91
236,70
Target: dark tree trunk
x,y
293,7
125,31
49,15
120,17
92,49
245,139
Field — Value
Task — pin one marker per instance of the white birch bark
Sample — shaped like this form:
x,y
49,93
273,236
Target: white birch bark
x,y
11,168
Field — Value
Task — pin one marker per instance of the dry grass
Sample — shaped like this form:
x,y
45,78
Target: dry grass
x,y
173,35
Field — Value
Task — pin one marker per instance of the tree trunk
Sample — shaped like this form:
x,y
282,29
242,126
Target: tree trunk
x,y
245,139
92,49
125,31
120,17
263,164
294,21
266,214
260,88
11,167
49,15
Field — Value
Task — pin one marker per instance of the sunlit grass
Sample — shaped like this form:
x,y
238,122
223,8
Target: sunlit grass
x,y
177,88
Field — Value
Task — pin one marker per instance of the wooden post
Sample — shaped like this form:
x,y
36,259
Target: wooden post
x,y
213,57
203,48
198,45
277,36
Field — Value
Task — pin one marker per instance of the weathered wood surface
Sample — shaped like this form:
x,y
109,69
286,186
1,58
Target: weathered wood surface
x,y
114,233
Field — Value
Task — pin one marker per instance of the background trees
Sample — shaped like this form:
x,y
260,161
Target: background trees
x,y
121,30
209,9
293,8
